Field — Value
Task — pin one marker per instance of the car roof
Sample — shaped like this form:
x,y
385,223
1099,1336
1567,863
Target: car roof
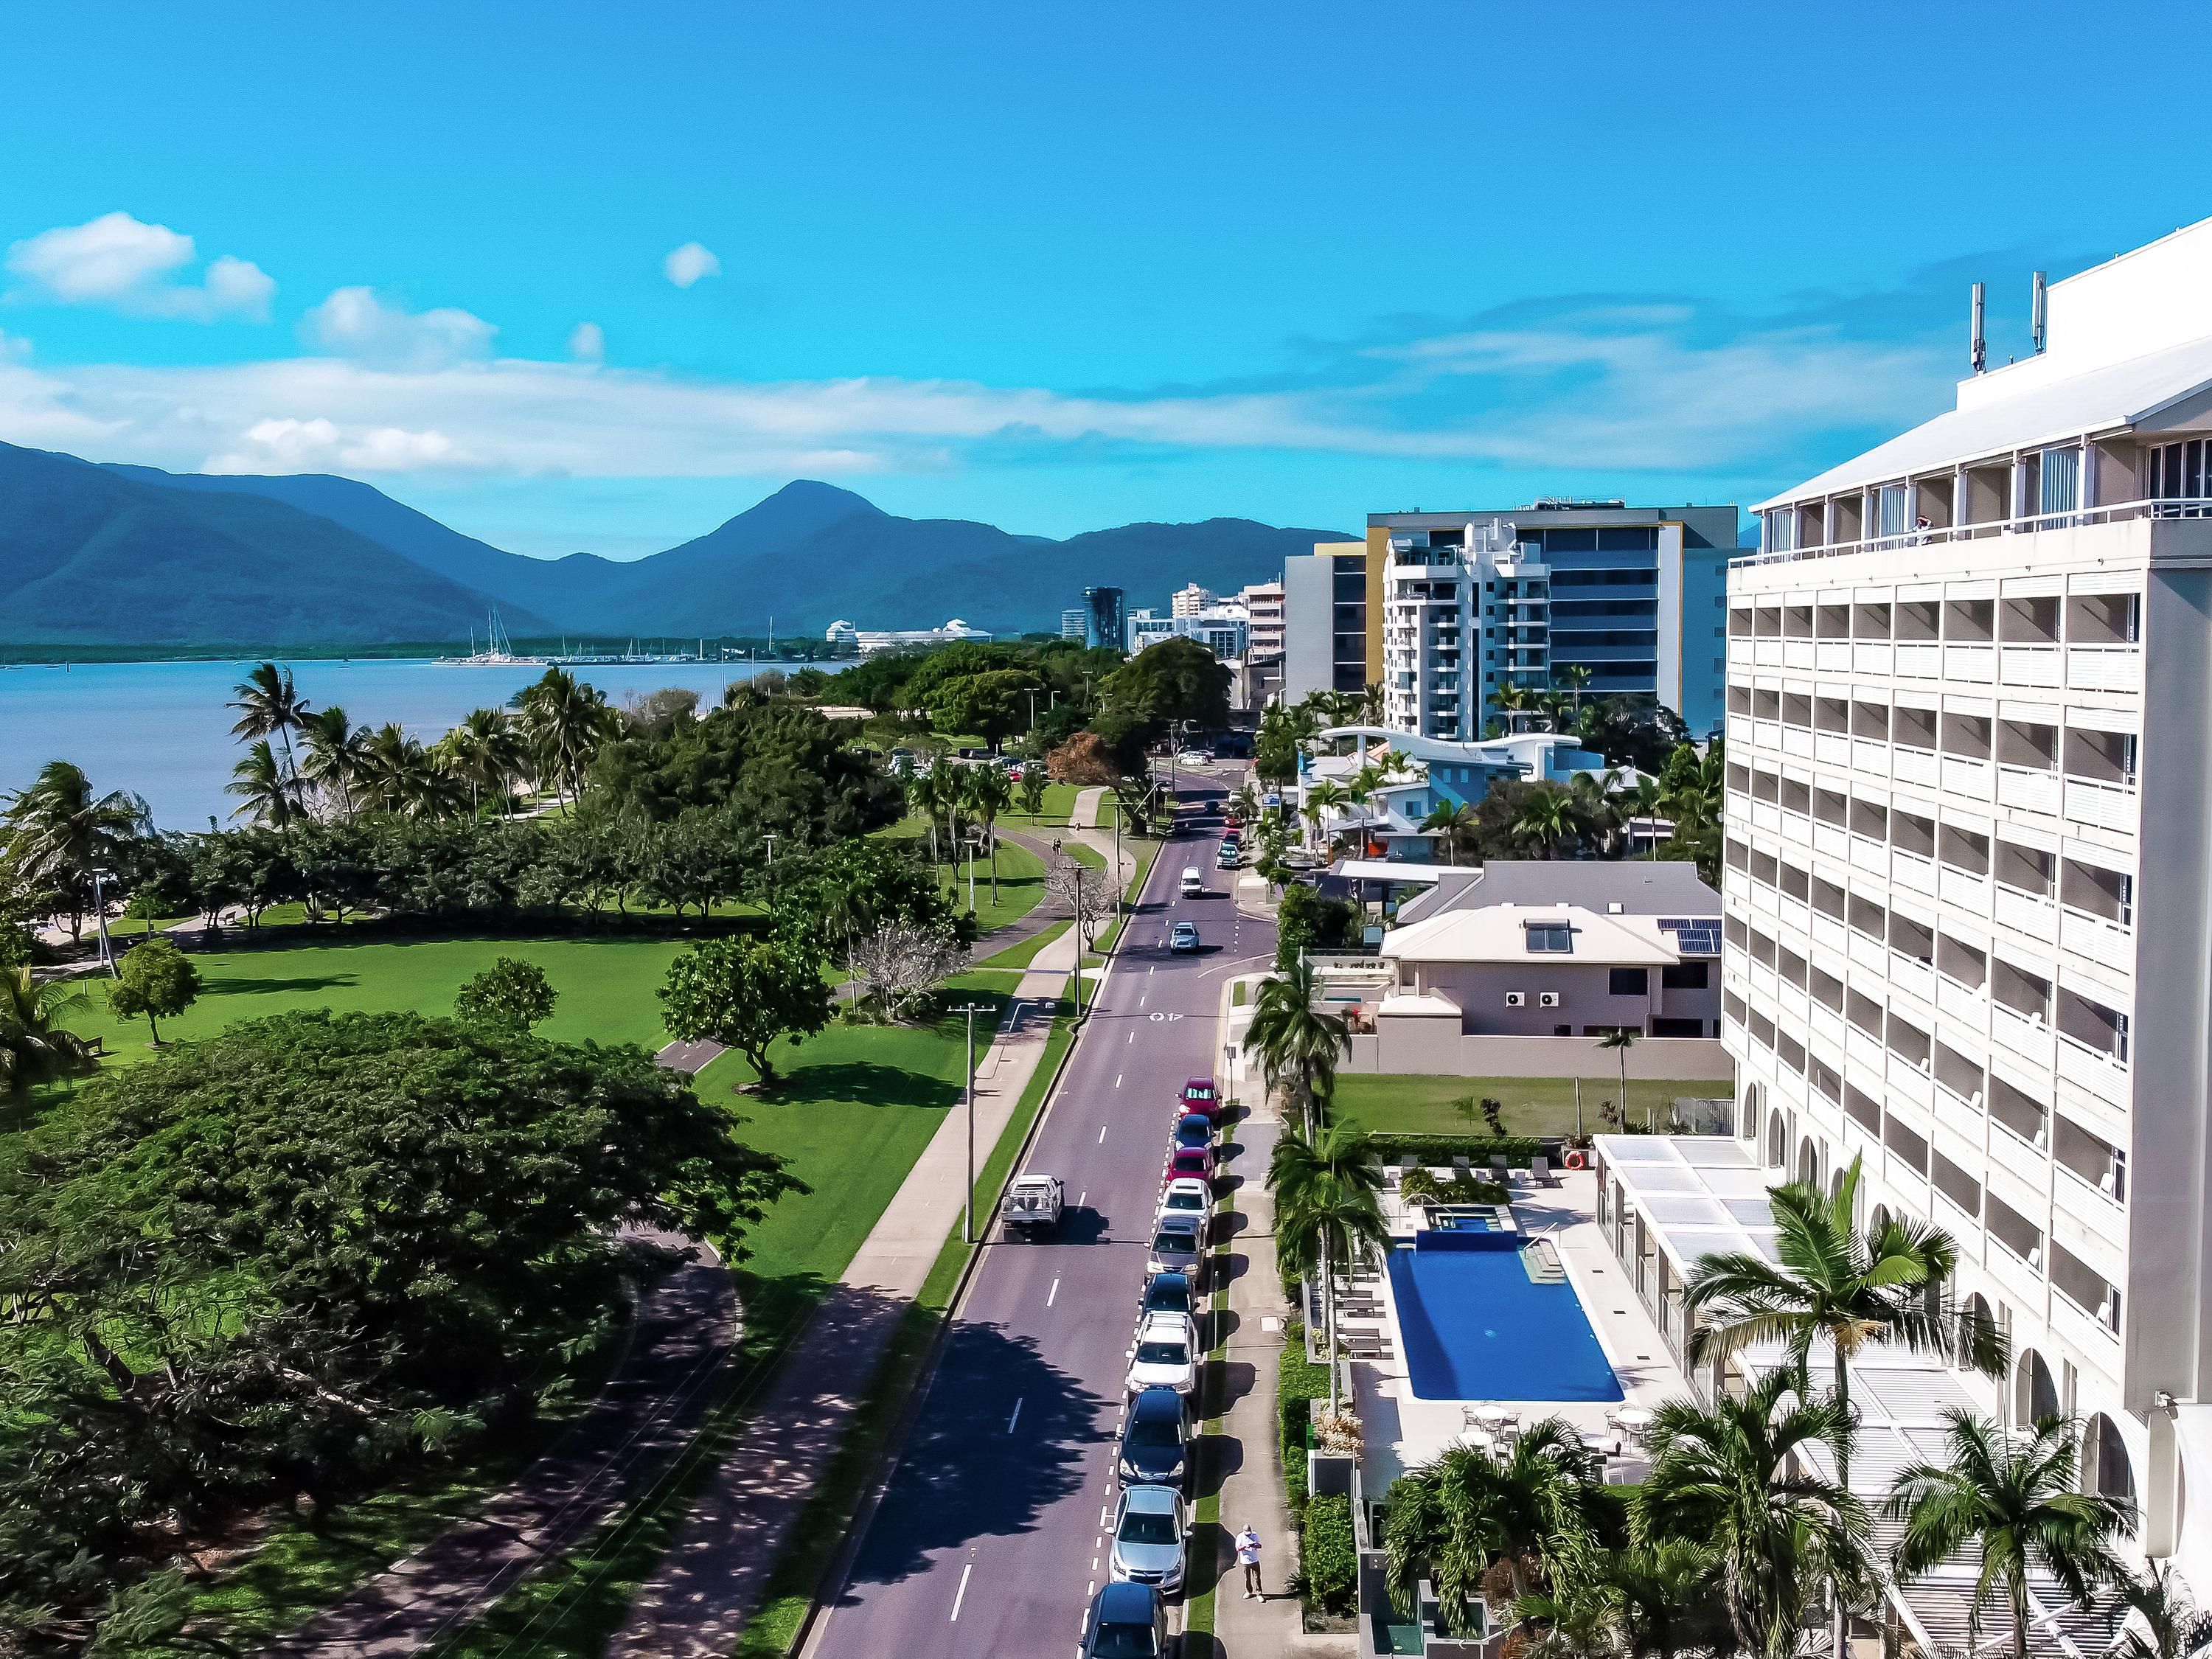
x,y
1157,1400
1188,1183
1167,1324
1198,1083
1149,1499
1194,1117
1179,1221
1125,1603
1176,1273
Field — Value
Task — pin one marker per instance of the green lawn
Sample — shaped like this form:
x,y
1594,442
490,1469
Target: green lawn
x,y
1021,877
606,985
1023,955
1416,1104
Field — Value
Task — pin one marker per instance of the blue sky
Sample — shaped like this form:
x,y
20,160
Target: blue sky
x,y
1052,266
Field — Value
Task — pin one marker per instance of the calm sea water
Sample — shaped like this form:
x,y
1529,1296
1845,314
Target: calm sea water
x,y
161,730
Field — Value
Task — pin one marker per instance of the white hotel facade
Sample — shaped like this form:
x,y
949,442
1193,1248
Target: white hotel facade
x,y
1968,892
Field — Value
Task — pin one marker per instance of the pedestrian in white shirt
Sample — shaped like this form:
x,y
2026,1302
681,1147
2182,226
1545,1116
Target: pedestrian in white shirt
x,y
1248,1551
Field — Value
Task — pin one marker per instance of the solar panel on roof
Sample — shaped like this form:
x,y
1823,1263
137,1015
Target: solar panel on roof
x,y
1694,936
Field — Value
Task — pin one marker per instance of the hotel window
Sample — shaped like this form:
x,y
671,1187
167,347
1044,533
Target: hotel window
x,y
2060,489
1892,510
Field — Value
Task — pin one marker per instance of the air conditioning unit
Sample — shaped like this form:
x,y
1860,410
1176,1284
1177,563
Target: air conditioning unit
x,y
1516,999
1547,998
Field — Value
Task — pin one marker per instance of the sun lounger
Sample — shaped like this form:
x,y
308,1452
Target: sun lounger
x,y
1540,1171
1500,1170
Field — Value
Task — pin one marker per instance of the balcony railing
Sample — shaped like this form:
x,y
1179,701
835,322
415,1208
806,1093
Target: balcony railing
x,y
2183,507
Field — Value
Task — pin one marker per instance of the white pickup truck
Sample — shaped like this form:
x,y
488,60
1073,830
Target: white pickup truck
x,y
1033,1204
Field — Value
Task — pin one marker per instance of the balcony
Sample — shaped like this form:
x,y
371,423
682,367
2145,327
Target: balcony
x,y
2031,1039
2099,1074
1912,872
1832,656
1961,1002
1914,765
2029,790
1832,749
2030,665
2023,912
2109,806
2103,667
1871,659
2108,943
1968,891
1920,662
1975,663
1964,776
1869,757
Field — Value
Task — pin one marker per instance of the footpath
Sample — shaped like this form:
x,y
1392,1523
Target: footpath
x,y
696,1601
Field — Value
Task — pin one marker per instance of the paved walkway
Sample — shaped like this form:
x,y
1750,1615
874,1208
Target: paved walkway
x,y
684,1329
1087,805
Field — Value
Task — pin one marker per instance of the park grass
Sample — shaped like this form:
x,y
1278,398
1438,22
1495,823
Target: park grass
x,y
1420,1104
606,986
1021,876
1019,957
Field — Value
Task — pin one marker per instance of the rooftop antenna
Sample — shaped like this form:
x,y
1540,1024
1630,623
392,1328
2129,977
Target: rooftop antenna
x,y
1979,347
2039,314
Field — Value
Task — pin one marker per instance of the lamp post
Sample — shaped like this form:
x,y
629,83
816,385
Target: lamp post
x,y
968,1195
770,840
100,920
971,841
1228,1070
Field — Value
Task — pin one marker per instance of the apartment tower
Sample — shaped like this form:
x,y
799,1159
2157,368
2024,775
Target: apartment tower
x,y
1968,931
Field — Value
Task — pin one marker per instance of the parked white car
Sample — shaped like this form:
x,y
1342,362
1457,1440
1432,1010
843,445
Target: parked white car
x,y
1164,1355
1186,1196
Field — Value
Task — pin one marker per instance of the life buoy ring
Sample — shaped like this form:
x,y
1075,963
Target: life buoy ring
x,y
1574,1159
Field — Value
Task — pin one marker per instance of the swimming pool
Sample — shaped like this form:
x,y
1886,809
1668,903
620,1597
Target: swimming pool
x,y
1476,1327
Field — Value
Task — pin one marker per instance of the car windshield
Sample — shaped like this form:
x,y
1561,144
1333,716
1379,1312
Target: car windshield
x,y
1168,1299
1123,1641
1162,1353
1198,1094
1168,1240
1191,1158
1155,1433
1138,1527
1186,1202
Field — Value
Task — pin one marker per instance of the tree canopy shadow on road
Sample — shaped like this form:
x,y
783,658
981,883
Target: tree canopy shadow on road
x,y
961,1475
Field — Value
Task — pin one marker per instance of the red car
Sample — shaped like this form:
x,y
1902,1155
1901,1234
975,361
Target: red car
x,y
1190,1161
1198,1094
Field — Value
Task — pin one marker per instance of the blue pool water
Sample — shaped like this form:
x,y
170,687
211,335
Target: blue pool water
x,y
1476,1327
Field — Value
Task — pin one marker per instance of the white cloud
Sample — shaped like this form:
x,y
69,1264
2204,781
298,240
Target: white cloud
x,y
1615,388
588,343
687,263
355,323
118,261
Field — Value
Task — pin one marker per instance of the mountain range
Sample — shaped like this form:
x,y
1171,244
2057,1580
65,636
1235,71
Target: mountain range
x,y
128,555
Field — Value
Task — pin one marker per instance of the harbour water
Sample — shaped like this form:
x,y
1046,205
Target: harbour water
x,y
163,729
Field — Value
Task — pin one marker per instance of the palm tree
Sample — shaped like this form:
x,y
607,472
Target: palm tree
x,y
1547,817
1647,798
989,792
1325,1208
1449,1519
1327,796
2173,1627
488,751
1456,827
270,706
58,833
1831,1280
565,721
2014,1496
1511,700
1573,678
334,748
34,1047
1620,1039
1296,1042
1668,1597
268,795
1736,1478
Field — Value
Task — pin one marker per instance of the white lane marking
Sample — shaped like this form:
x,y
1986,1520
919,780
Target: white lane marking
x,y
1132,1036
1017,1417
1117,1079
1080,1201
1089,1587
961,1593
1048,1296
1140,1001
1102,1134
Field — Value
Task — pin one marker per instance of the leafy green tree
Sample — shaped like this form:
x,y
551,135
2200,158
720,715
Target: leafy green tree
x,y
1547,818
1297,1042
1166,685
745,993
1738,1480
1450,1520
1310,920
2014,1499
511,995
1829,1280
1325,1208
1668,1597
1032,790
156,979
277,1263
58,832
994,705
1455,828
268,793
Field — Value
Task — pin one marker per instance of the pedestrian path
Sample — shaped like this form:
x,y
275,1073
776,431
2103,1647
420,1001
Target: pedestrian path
x,y
1088,803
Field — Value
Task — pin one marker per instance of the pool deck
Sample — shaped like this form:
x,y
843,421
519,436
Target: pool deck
x,y
1402,1432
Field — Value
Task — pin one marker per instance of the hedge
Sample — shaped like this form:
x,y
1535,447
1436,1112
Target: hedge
x,y
1478,1150
1299,1382
1328,1559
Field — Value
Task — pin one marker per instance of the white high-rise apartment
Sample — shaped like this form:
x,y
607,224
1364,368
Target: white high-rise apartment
x,y
1969,882
1263,603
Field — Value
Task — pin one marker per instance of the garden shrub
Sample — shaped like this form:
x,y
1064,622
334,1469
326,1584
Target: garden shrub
x,y
1329,1560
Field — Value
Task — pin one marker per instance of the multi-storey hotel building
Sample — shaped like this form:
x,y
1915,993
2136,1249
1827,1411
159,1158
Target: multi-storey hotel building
x,y
1969,857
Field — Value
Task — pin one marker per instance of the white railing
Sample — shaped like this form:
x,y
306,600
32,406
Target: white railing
x,y
2196,507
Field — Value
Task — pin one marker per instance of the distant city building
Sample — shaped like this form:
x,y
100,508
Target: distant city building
x,y
1262,675
1073,623
1191,601
870,641
1326,606
1222,630
1104,617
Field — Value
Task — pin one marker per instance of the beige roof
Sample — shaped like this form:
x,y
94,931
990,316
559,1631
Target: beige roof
x,y
1431,1006
1497,933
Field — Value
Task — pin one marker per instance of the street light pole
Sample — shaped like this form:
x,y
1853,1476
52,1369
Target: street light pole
x,y
968,1198
99,919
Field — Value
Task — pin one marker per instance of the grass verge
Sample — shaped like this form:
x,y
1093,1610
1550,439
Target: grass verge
x,y
1020,956
1198,1613
1417,1104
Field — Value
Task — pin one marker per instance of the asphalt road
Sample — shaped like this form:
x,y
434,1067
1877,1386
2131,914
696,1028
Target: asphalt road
x,y
991,1535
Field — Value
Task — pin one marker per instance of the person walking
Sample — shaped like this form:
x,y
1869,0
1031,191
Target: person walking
x,y
1248,1553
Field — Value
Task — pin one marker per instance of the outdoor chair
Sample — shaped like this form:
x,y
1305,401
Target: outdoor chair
x,y
1500,1169
1540,1171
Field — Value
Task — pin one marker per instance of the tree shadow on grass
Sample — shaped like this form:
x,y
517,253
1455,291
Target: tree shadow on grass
x,y
864,1082
254,988
962,1476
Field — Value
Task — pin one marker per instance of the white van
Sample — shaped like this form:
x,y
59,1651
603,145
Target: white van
x,y
1192,882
